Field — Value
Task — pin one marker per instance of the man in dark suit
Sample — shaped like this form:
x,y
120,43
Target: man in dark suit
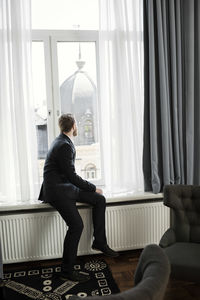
x,y
62,188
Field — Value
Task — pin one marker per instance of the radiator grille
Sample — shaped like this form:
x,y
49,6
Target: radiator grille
x,y
40,235
134,226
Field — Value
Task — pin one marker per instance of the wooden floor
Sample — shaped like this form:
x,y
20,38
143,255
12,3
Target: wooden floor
x,y
123,268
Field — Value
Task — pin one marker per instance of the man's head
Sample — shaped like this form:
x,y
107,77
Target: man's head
x,y
67,124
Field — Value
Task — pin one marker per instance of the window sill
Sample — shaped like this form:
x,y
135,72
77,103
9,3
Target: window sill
x,y
110,200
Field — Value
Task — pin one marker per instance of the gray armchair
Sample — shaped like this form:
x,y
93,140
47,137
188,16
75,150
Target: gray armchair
x,y
181,242
151,277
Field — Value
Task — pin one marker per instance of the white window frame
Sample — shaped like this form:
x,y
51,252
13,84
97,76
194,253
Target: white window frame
x,y
50,39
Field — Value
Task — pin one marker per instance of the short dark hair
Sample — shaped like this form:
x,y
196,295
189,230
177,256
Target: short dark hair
x,y
66,122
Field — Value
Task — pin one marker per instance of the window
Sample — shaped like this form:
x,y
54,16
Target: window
x,y
65,77
78,95
90,171
69,64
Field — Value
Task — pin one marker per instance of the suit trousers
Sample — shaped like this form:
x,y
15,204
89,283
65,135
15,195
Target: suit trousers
x,y
67,208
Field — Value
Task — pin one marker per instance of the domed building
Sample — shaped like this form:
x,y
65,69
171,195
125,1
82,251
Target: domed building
x,y
78,95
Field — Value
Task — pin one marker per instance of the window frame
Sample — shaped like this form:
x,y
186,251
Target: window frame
x,y
50,39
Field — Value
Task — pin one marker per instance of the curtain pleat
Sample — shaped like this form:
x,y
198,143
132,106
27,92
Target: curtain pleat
x,y
121,93
19,180
171,101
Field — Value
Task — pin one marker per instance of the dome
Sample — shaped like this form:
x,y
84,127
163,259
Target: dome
x,y
79,96
78,85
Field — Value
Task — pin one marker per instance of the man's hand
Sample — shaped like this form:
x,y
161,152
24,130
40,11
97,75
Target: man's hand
x,y
99,191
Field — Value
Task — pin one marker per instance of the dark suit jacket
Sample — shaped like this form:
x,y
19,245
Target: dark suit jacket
x,y
59,170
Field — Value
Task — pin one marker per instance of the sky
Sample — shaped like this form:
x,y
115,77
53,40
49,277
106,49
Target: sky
x,y
65,14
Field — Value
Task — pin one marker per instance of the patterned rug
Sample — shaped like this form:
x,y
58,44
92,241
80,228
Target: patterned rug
x,y
45,284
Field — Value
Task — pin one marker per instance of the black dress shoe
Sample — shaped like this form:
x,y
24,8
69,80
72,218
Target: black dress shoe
x,y
75,276
106,250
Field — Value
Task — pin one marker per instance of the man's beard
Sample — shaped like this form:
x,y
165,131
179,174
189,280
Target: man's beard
x,y
75,132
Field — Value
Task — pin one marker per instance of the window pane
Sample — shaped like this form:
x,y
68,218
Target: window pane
x,y
65,14
78,93
40,101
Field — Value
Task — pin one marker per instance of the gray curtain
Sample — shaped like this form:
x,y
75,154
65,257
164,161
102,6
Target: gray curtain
x,y
172,93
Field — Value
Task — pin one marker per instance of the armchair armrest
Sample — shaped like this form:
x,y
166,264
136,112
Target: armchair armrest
x,y
168,238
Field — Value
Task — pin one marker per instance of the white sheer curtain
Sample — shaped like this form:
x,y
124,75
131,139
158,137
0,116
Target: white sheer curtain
x,y
18,149
121,98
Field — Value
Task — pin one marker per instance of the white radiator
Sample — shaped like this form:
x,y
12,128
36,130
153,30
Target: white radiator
x,y
38,236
